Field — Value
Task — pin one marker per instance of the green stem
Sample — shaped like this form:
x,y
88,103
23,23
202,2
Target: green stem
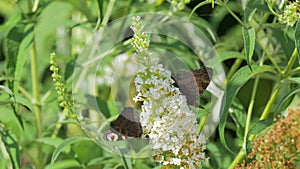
x,y
267,109
196,7
202,122
25,93
285,72
233,69
238,158
108,12
99,13
290,63
232,14
268,55
295,71
36,102
250,110
35,6
242,152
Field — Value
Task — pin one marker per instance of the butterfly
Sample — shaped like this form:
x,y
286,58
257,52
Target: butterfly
x,y
127,125
193,83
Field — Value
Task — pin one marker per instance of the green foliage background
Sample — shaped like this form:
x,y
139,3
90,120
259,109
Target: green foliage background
x,y
258,53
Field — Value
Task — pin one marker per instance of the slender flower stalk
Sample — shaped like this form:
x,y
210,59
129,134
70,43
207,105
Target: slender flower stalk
x,y
64,98
166,118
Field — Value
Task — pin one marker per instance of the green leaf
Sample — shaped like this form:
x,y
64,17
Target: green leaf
x,y
270,6
55,15
282,102
103,160
13,104
8,115
55,142
216,153
127,162
22,101
72,163
8,118
249,43
248,13
292,80
12,45
69,69
23,54
297,40
11,148
285,40
231,55
238,114
237,81
65,143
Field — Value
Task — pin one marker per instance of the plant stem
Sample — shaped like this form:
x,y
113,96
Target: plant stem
x,y
267,109
36,102
286,71
238,158
295,71
25,93
250,110
35,6
108,12
242,152
232,13
196,7
268,55
290,63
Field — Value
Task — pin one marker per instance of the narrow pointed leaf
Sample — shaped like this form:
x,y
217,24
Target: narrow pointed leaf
x,y
12,44
249,43
285,98
65,143
231,55
297,40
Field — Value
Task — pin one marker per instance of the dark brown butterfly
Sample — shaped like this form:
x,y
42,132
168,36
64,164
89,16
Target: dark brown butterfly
x,y
127,125
193,83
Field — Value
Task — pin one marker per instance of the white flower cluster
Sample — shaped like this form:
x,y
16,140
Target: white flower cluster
x,y
166,117
291,13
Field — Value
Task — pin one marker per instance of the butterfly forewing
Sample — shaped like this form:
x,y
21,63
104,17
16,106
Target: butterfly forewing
x,y
192,84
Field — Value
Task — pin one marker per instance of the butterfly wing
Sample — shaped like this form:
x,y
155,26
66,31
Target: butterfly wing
x,y
192,84
128,123
203,78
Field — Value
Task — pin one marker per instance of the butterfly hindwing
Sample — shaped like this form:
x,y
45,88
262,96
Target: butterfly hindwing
x,y
126,125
